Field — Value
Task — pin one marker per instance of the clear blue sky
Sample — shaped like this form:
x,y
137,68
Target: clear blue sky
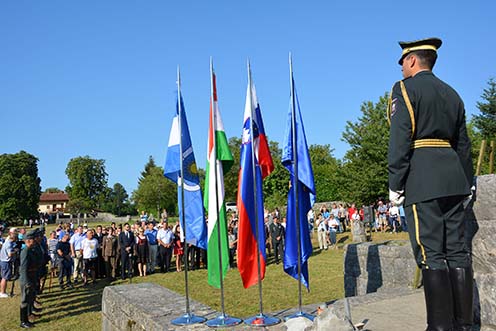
x,y
98,78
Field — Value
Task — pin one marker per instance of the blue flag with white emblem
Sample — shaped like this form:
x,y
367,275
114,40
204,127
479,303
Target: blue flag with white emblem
x,y
305,197
196,227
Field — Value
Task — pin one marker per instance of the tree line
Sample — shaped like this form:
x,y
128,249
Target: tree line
x,y
359,177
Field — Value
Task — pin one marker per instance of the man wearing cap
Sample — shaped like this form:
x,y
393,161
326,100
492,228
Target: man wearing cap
x,y
7,254
430,171
27,279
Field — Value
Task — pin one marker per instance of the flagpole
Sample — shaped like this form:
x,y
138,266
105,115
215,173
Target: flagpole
x,y
222,320
187,318
261,319
294,184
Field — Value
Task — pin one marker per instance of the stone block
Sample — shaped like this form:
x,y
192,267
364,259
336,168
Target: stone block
x,y
371,267
129,307
484,199
331,319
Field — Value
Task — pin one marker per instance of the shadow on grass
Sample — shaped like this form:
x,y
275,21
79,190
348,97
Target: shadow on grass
x,y
59,304
343,239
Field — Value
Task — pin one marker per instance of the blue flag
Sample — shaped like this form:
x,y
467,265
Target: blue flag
x,y
305,194
196,227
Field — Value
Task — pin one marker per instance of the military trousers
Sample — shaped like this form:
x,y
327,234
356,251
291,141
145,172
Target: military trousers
x,y
436,230
28,294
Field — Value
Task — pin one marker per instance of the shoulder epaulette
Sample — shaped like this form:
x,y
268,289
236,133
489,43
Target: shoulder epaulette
x,y
408,104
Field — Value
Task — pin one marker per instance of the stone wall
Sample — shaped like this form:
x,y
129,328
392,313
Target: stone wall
x,y
370,267
481,238
147,307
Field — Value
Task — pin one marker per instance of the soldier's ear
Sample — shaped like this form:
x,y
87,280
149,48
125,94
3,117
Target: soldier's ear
x,y
412,60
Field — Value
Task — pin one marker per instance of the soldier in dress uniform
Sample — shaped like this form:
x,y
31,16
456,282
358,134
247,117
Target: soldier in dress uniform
x,y
277,235
27,278
430,171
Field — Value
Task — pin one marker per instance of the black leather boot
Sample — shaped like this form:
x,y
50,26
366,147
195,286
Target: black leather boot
x,y
438,299
25,324
463,297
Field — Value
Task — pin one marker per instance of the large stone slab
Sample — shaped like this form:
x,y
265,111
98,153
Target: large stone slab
x,y
147,307
485,198
151,307
481,238
371,267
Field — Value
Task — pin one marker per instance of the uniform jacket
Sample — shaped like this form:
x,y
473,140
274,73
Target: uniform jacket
x,y
438,113
276,230
109,246
28,267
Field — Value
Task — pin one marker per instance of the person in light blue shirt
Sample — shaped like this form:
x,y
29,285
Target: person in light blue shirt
x,y
7,255
404,226
151,235
75,242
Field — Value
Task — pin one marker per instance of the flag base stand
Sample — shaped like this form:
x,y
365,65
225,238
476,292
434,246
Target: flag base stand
x,y
188,319
300,314
223,321
262,320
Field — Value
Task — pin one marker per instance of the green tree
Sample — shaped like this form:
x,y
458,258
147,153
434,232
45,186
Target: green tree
x,y
326,170
276,185
53,190
483,126
19,186
364,173
231,177
117,200
87,184
155,192
485,122
148,167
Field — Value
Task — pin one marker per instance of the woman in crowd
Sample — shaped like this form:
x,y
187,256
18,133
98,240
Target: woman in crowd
x,y
141,251
178,246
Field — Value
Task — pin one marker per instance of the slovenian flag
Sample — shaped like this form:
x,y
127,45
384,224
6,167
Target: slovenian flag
x,y
196,228
248,220
219,158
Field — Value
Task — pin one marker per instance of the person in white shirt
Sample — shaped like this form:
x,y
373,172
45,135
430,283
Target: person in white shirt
x,y
89,247
165,239
322,229
394,214
333,227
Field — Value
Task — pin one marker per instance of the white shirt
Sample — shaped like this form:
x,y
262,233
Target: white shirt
x,y
89,247
333,224
165,235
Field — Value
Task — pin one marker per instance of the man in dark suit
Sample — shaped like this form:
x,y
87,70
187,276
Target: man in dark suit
x,y
277,235
126,242
430,170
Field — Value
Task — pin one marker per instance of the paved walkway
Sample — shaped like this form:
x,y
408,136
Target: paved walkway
x,y
405,312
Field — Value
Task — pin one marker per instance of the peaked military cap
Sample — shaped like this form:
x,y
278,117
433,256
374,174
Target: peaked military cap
x,y
429,44
31,234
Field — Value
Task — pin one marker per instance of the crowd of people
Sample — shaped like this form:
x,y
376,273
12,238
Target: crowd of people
x,y
379,217
79,254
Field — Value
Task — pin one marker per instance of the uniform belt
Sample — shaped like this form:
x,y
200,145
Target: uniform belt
x,y
421,143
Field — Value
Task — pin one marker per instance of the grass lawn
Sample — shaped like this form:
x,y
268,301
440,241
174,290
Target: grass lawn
x,y
79,309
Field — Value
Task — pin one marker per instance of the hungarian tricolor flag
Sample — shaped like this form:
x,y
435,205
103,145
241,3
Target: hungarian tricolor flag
x,y
255,160
219,160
